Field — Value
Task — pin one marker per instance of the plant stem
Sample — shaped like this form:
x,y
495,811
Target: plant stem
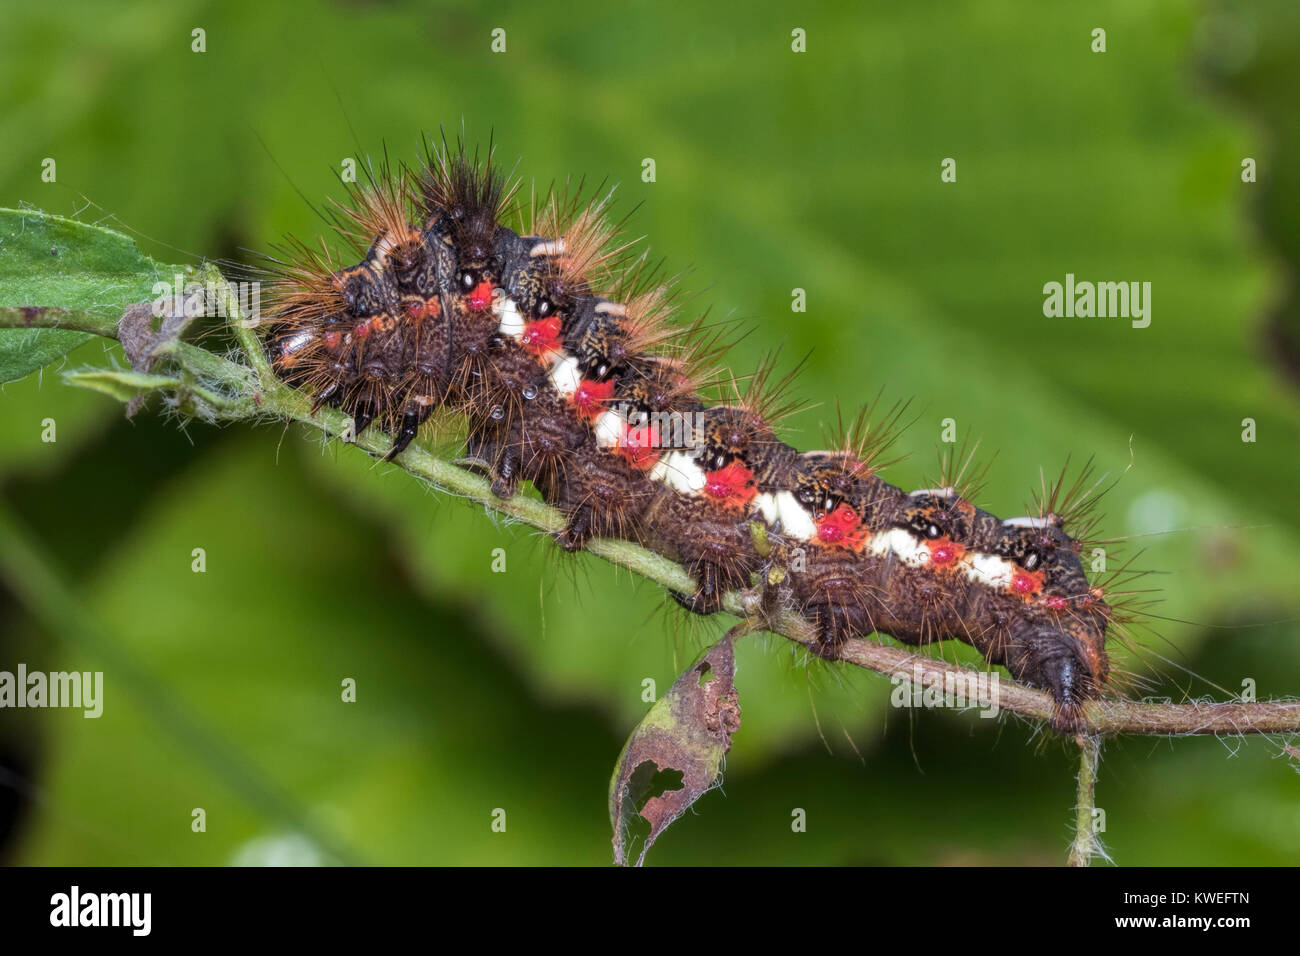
x,y
1086,845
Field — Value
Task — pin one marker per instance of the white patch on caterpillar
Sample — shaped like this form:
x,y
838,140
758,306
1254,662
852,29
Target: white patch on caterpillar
x,y
680,472
565,375
989,570
937,492
611,308
609,429
553,247
986,569
783,509
902,544
383,246
1026,522
512,323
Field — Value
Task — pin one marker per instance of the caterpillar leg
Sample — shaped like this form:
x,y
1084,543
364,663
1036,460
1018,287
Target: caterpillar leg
x,y
408,428
707,597
835,624
577,532
500,461
362,416
506,480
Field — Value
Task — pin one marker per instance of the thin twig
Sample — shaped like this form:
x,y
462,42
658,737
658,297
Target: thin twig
x,y
1086,845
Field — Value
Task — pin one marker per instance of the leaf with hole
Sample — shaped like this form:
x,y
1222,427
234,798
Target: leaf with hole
x,y
675,754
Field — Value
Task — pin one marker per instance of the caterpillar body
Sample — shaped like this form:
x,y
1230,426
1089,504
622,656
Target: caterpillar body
x,y
559,348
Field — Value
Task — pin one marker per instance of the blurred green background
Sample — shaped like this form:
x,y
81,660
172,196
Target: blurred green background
x,y
775,171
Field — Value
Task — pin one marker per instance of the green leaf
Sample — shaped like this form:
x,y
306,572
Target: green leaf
x,y
22,351
87,272
122,385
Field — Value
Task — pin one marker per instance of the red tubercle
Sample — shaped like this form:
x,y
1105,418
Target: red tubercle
x,y
1026,583
944,552
376,323
424,309
332,339
732,486
1093,600
842,527
542,337
639,446
1056,602
480,297
591,397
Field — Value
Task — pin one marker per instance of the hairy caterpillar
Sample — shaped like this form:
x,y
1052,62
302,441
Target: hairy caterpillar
x,y
559,348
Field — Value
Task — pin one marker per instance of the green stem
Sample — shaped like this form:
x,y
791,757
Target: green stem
x,y
1086,845
49,317
241,326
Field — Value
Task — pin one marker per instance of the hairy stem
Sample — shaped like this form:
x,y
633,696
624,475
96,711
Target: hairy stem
x,y
1086,845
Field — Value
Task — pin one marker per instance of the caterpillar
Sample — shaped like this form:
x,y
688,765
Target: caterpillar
x,y
562,350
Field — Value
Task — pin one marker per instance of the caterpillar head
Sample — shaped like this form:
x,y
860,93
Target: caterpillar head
x,y
462,201
295,353
464,198
311,326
